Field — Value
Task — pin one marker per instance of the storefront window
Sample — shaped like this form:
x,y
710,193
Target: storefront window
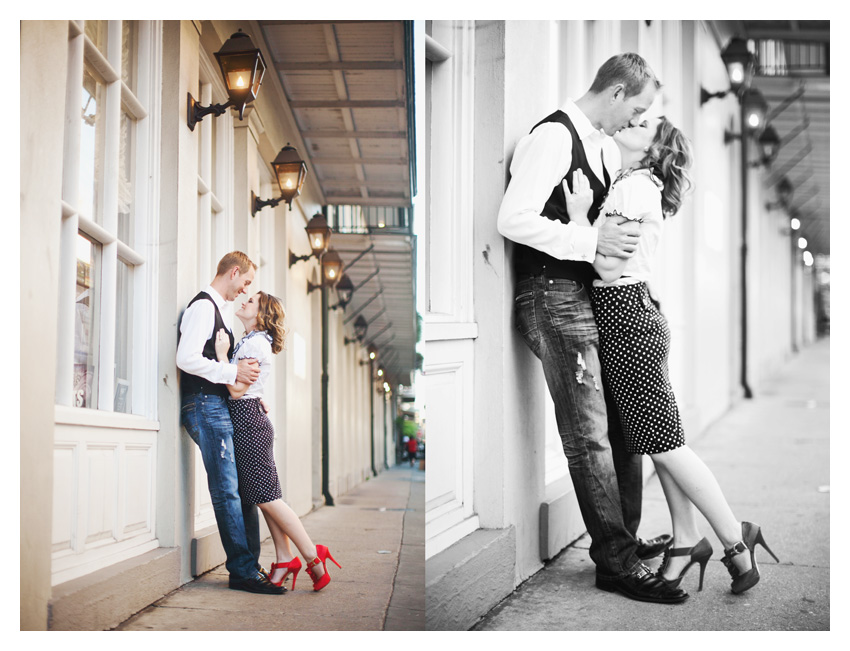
x,y
123,339
91,147
86,319
125,179
104,206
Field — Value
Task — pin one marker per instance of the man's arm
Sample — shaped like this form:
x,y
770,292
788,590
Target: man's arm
x,y
617,240
540,162
195,329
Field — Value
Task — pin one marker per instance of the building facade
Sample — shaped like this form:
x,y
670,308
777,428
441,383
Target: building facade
x,y
125,211
499,498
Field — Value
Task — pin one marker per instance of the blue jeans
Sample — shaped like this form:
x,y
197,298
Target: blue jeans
x,y
555,318
207,421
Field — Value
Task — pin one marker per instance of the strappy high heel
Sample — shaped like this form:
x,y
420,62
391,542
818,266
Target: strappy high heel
x,y
699,553
750,537
292,567
322,556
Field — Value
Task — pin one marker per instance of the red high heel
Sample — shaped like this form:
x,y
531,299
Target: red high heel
x,y
292,567
322,556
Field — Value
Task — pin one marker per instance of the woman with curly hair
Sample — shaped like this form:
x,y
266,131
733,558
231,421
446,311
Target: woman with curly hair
x,y
634,343
253,442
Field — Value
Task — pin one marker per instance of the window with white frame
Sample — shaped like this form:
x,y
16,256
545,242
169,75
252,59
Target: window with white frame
x,y
104,461
104,239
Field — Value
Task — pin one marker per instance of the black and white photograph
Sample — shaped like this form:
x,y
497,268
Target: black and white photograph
x,y
627,336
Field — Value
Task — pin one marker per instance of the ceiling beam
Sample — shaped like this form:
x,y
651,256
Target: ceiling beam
x,y
348,103
339,160
344,66
394,135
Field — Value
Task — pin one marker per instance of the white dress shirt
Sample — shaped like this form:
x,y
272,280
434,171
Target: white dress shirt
x,y
541,161
637,197
195,329
255,345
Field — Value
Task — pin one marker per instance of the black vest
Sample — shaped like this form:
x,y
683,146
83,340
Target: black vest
x,y
192,383
531,262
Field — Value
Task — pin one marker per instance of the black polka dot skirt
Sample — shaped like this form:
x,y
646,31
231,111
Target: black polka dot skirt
x,y
634,343
253,442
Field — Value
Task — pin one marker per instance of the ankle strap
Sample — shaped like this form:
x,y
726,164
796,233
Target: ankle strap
x,y
314,562
738,548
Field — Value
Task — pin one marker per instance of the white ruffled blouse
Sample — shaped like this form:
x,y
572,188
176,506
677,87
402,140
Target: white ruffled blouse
x,y
257,345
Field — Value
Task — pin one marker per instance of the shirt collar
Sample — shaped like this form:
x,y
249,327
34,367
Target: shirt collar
x,y
217,298
584,128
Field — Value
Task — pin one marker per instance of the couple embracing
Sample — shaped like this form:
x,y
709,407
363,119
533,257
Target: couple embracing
x,y
224,414
590,187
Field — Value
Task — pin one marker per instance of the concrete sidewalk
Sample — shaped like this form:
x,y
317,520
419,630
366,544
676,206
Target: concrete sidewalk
x,y
376,532
771,457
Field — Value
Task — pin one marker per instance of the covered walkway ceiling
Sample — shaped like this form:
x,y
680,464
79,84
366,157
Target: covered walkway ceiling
x,y
793,77
348,88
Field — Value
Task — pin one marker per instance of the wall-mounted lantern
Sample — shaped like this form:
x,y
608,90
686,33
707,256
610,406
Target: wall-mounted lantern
x,y
290,172
242,66
344,292
319,234
740,65
769,144
371,355
784,194
360,330
753,112
331,270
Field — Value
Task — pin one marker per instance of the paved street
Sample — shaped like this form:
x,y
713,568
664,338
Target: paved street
x,y
771,457
376,532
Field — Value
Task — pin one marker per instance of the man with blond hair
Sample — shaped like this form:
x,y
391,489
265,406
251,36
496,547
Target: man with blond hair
x,y
551,259
206,417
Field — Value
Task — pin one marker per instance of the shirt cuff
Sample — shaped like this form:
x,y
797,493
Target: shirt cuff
x,y
582,243
228,375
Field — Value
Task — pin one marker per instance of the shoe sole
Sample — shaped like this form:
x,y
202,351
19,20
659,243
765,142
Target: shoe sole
x,y
608,587
245,589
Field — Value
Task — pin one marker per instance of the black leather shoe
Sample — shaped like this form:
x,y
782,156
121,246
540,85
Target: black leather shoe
x,y
651,548
642,585
256,584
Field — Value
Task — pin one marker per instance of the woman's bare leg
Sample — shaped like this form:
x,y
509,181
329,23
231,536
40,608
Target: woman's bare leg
x,y
282,548
696,482
289,524
684,518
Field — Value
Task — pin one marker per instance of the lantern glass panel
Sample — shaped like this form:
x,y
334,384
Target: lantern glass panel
x,y
258,77
736,73
238,72
288,177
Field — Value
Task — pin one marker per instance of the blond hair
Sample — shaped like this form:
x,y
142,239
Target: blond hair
x,y
234,259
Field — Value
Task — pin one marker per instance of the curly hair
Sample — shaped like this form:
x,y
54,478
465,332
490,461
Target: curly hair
x,y
270,317
669,159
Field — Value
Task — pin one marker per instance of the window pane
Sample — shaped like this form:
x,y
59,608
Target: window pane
x,y
126,159
123,338
128,53
97,31
86,322
91,148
